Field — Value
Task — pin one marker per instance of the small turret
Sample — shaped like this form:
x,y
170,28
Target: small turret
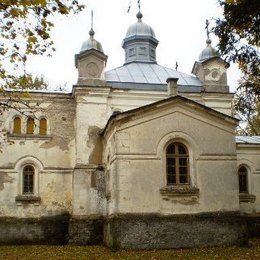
x,y
91,43
91,61
211,69
140,42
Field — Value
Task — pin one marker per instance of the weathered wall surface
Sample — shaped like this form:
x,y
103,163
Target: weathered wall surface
x,y
94,107
69,161
151,231
86,230
91,116
213,74
143,212
52,156
249,156
139,172
45,230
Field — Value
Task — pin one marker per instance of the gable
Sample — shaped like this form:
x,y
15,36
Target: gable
x,y
168,106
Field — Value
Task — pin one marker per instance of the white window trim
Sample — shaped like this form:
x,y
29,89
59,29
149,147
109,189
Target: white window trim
x,y
38,167
192,150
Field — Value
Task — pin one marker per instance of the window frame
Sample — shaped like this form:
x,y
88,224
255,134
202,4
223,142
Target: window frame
x,y
28,126
14,125
38,168
46,126
28,173
142,51
177,156
244,174
131,52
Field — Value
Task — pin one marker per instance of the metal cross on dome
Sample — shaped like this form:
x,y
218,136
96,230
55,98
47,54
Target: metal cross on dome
x,y
139,5
92,19
130,5
92,32
207,28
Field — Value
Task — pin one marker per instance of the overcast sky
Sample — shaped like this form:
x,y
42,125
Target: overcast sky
x,y
179,27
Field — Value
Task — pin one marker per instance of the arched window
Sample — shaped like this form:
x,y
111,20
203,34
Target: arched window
x,y
177,163
17,127
30,126
43,127
28,180
242,176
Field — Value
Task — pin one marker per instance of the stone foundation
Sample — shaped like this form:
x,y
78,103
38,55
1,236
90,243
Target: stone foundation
x,y
150,231
46,230
253,223
86,230
137,231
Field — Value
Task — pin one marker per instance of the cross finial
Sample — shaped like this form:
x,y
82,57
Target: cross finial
x,y
176,66
92,19
139,5
130,6
91,32
208,32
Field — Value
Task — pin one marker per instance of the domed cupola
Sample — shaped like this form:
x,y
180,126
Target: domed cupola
x,y
140,28
140,42
91,43
91,61
209,52
211,70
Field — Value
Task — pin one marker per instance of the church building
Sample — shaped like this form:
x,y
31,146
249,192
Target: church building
x,y
141,156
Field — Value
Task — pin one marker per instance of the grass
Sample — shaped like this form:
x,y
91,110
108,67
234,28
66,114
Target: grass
x,y
100,252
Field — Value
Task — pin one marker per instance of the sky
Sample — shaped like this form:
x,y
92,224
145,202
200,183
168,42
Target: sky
x,y
179,26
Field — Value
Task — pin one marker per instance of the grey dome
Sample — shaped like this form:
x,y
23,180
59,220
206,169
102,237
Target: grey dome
x,y
140,42
91,43
209,52
140,29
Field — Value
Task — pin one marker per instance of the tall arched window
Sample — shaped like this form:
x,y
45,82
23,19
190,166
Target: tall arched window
x,y
242,176
28,180
17,127
30,126
43,127
177,163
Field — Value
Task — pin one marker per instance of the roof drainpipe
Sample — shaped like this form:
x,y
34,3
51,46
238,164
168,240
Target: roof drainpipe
x,y
172,86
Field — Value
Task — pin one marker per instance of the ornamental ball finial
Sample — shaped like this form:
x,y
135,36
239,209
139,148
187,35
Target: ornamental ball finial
x,y
91,32
139,15
208,41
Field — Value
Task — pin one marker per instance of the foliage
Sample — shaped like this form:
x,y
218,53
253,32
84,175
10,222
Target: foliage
x,y
253,127
25,29
248,109
99,252
239,41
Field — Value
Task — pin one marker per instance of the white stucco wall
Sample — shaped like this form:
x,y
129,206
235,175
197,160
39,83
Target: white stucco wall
x,y
72,153
137,170
52,156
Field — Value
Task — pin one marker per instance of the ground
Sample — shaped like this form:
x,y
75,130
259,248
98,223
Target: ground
x,y
99,252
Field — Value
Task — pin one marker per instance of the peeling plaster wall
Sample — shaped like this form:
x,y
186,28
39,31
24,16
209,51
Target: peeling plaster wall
x,y
109,152
55,193
138,168
94,107
52,156
91,116
89,192
4,179
74,126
